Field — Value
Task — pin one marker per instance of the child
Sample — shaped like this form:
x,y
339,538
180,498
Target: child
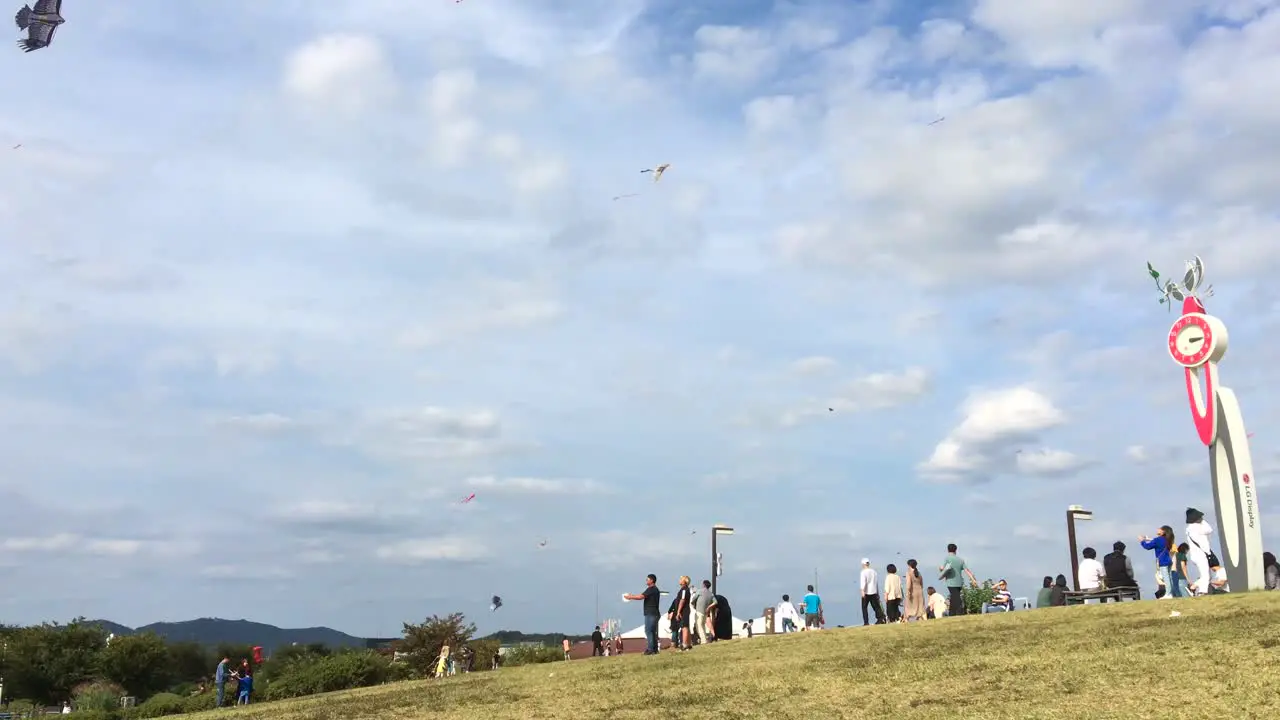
x,y
443,663
245,687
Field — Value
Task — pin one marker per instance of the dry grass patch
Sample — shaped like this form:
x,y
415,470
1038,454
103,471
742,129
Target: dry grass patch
x,y
1095,662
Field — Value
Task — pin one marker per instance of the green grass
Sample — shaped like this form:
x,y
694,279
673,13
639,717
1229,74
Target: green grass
x,y
1221,658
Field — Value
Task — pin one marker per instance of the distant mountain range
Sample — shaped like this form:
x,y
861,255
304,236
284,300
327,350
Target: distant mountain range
x,y
215,631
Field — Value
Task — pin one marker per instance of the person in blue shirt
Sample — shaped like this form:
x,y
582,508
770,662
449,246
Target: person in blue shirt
x,y
220,679
1162,545
812,610
246,688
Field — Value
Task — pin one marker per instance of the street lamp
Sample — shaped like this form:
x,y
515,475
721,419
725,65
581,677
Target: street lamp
x,y
716,565
1074,513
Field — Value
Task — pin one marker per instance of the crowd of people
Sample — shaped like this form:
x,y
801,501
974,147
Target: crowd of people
x,y
1189,568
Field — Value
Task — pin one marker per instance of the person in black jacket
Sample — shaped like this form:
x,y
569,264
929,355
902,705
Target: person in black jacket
x,y
1119,570
597,642
1058,593
724,619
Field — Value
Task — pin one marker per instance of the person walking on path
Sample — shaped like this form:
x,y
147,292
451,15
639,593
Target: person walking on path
x,y
915,592
952,572
870,593
650,596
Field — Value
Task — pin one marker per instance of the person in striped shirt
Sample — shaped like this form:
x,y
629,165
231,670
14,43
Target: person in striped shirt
x,y
1002,601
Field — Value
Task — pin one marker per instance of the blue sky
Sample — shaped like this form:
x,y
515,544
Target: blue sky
x,y
283,284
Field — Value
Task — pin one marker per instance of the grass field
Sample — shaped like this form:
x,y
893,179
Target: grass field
x,y
1221,658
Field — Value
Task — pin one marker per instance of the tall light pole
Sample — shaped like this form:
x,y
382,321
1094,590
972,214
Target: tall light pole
x,y
1074,513
716,531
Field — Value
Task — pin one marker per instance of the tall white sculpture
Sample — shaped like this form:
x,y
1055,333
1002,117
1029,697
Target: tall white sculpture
x,y
1198,342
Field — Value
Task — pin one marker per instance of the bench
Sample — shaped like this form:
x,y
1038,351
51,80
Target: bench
x,y
1114,594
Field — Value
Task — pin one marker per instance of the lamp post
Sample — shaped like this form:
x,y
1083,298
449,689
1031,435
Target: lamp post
x,y
716,531
1074,513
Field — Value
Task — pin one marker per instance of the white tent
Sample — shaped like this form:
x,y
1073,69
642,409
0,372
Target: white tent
x,y
664,629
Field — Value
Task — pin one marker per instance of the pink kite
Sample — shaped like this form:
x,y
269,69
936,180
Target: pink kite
x,y
468,499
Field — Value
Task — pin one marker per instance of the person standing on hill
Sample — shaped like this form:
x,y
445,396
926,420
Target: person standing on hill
x,y
812,610
597,643
870,593
566,646
1162,545
1198,532
651,595
952,572
915,592
700,604
220,680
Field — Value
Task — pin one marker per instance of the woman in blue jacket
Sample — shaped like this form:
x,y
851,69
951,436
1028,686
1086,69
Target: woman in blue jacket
x,y
1162,544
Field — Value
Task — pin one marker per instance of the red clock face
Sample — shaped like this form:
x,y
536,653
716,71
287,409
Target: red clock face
x,y
1191,340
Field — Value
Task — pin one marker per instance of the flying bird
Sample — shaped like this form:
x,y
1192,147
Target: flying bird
x,y
542,544
495,604
657,171
40,23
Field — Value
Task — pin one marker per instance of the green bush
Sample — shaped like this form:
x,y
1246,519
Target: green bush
x,y
531,655
96,714
160,705
975,598
203,701
342,671
97,695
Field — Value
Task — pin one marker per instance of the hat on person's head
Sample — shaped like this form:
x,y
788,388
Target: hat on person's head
x,y
865,561
1194,515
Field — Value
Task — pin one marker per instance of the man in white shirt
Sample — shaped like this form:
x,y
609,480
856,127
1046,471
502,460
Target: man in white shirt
x,y
870,593
785,617
1091,572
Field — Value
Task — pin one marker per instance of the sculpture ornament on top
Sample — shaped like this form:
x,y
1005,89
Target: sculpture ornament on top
x,y
1198,342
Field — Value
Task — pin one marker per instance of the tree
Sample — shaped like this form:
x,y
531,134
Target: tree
x,y
139,663
44,662
423,642
189,662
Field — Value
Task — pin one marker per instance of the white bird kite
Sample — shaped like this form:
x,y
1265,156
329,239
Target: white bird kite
x,y
657,171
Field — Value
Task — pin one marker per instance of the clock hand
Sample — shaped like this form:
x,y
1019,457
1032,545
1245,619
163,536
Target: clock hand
x,y
1195,340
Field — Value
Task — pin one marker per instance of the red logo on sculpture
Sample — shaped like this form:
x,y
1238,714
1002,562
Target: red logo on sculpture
x,y
1245,478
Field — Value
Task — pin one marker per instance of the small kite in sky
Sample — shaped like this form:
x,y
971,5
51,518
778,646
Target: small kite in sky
x,y
468,499
40,23
657,171
542,544
15,147
495,603
619,197
935,122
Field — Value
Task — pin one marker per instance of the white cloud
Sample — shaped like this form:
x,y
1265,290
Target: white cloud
x,y
1136,453
993,421
341,72
439,549
534,486
813,365
1049,463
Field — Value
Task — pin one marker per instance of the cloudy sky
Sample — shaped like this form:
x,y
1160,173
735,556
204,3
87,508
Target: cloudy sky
x,y
283,282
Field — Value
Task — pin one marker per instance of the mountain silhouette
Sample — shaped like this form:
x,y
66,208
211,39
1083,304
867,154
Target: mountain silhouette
x,y
215,631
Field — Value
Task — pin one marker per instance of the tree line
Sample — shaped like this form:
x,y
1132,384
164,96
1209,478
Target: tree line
x,y
52,663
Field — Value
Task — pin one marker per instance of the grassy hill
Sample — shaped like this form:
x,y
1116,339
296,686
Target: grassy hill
x,y
214,631
1100,661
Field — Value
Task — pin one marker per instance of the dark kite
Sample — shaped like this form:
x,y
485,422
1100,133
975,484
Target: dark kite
x,y
40,23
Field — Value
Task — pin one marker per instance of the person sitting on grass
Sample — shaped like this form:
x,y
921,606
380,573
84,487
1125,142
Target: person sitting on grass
x,y
1002,601
1218,579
